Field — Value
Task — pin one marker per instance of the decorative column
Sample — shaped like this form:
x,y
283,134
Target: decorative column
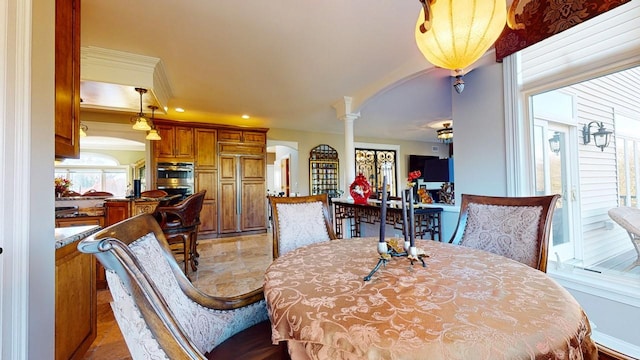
x,y
344,113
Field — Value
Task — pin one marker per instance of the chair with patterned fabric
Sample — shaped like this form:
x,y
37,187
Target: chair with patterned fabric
x,y
161,314
299,221
629,219
514,227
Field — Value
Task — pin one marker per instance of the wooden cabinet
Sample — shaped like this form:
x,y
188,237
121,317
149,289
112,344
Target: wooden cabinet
x,y
205,148
245,136
116,211
176,143
80,221
229,163
67,79
76,302
242,192
208,180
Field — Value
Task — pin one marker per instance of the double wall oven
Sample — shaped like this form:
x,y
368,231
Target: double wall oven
x,y
175,178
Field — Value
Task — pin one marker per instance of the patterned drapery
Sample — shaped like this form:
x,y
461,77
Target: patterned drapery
x,y
544,18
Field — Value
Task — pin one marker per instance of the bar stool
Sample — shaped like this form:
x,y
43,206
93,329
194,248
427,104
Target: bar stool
x,y
179,223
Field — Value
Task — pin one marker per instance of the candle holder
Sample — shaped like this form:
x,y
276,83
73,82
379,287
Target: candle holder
x,y
396,249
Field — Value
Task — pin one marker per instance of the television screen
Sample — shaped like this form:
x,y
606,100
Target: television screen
x,y
417,162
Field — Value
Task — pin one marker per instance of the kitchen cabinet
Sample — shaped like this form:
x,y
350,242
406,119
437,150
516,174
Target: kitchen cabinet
x,y
230,164
205,149
208,180
245,136
242,192
176,144
118,210
67,79
80,221
75,302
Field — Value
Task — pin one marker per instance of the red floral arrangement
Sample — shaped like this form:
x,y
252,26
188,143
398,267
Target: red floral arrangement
x,y
414,175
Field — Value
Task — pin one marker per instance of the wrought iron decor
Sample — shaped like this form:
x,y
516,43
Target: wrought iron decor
x,y
374,165
324,168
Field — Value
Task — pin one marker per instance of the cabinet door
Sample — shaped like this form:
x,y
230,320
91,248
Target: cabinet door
x,y
75,302
253,193
205,148
228,217
67,79
254,206
183,147
207,180
227,195
116,211
208,218
164,147
252,168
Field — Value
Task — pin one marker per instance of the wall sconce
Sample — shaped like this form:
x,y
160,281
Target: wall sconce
x,y
601,137
83,130
554,143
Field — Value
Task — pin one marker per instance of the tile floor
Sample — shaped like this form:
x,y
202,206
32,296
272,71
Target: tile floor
x,y
228,266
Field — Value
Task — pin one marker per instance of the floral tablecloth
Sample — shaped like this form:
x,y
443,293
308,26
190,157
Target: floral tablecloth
x,y
466,304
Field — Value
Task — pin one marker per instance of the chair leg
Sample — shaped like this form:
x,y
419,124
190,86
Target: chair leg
x,y
194,250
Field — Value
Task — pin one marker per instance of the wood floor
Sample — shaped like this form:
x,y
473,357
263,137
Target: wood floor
x,y
228,266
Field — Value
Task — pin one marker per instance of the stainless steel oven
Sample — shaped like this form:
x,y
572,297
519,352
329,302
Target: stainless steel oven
x,y
175,178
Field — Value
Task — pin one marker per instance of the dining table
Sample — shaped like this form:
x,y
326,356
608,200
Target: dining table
x,y
463,303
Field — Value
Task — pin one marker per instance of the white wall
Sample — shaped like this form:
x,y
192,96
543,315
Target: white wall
x,y
479,147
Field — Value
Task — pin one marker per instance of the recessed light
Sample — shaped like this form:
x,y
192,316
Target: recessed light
x,y
180,110
245,116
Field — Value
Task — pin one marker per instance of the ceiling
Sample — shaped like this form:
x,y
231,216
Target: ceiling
x,y
285,62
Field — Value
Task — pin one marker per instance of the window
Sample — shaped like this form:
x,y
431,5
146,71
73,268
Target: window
x,y
94,172
374,165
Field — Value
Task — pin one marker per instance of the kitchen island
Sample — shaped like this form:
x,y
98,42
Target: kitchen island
x,y
75,293
351,217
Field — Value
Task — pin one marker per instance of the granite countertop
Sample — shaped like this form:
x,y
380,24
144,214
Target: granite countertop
x,y
67,235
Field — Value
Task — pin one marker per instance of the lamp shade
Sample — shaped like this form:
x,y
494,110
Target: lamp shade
x,y
141,124
153,135
461,31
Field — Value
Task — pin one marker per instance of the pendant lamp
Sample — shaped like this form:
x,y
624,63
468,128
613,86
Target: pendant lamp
x,y
140,122
454,34
152,134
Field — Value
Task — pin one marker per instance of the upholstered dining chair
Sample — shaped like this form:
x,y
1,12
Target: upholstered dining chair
x,y
161,314
299,221
514,227
629,219
180,223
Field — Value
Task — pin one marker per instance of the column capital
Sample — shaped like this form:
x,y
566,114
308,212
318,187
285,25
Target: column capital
x,y
344,109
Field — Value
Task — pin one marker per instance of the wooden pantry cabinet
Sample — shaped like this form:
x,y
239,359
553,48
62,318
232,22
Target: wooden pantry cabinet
x,y
206,178
230,164
242,193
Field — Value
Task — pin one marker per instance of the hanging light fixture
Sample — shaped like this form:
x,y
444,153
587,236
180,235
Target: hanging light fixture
x,y
153,133
446,133
83,130
601,137
454,34
140,122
